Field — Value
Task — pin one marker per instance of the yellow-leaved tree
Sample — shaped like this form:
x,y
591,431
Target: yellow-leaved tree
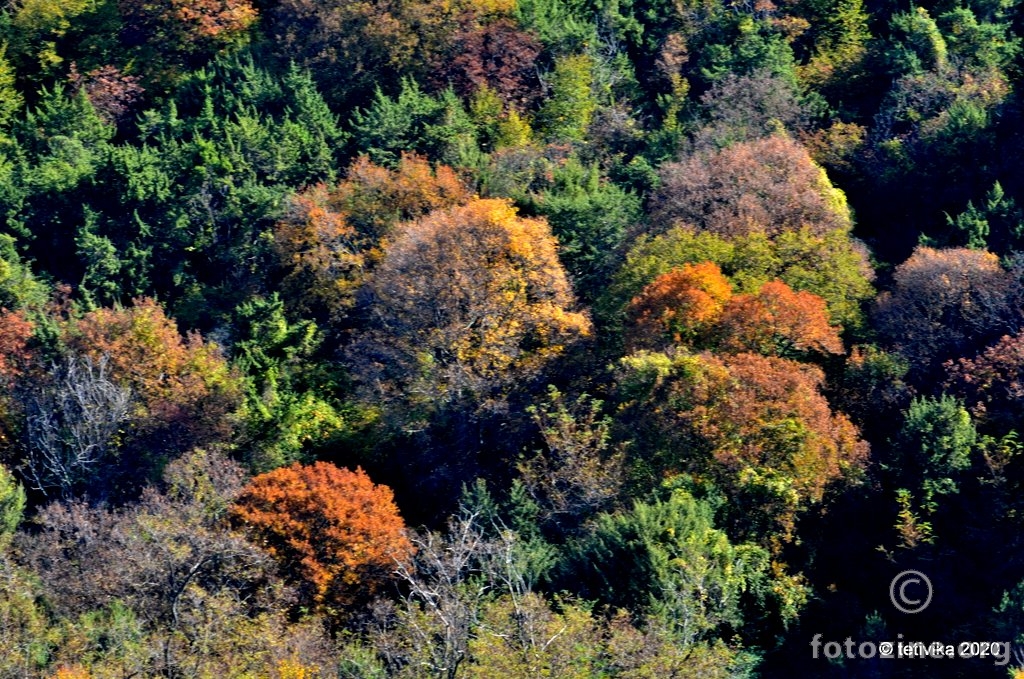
x,y
466,301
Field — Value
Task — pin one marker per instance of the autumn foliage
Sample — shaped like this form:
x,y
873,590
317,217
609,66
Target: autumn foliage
x,y
775,418
496,55
188,25
319,251
778,321
466,300
182,383
332,529
353,46
330,237
759,426
376,198
946,304
111,92
682,303
578,283
15,332
767,185
695,306
992,382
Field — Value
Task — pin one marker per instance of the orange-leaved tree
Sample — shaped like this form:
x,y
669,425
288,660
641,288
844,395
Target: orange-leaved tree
x,y
682,303
334,531
321,254
377,198
695,306
778,321
15,332
15,355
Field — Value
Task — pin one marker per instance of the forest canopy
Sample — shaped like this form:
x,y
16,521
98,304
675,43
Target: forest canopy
x,y
508,338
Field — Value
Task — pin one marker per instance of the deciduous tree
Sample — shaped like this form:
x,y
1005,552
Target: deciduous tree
x,y
151,554
352,46
15,333
331,237
745,107
497,55
683,305
178,31
566,114
466,302
768,185
945,304
992,383
694,306
12,507
334,532
73,420
580,470
321,253
776,321
184,385
111,92
758,427
19,287
376,198
162,584
834,266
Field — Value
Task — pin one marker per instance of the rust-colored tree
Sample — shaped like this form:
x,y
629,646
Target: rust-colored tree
x,y
112,93
778,321
767,185
465,302
15,333
15,357
333,530
694,306
216,19
992,383
497,55
775,418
